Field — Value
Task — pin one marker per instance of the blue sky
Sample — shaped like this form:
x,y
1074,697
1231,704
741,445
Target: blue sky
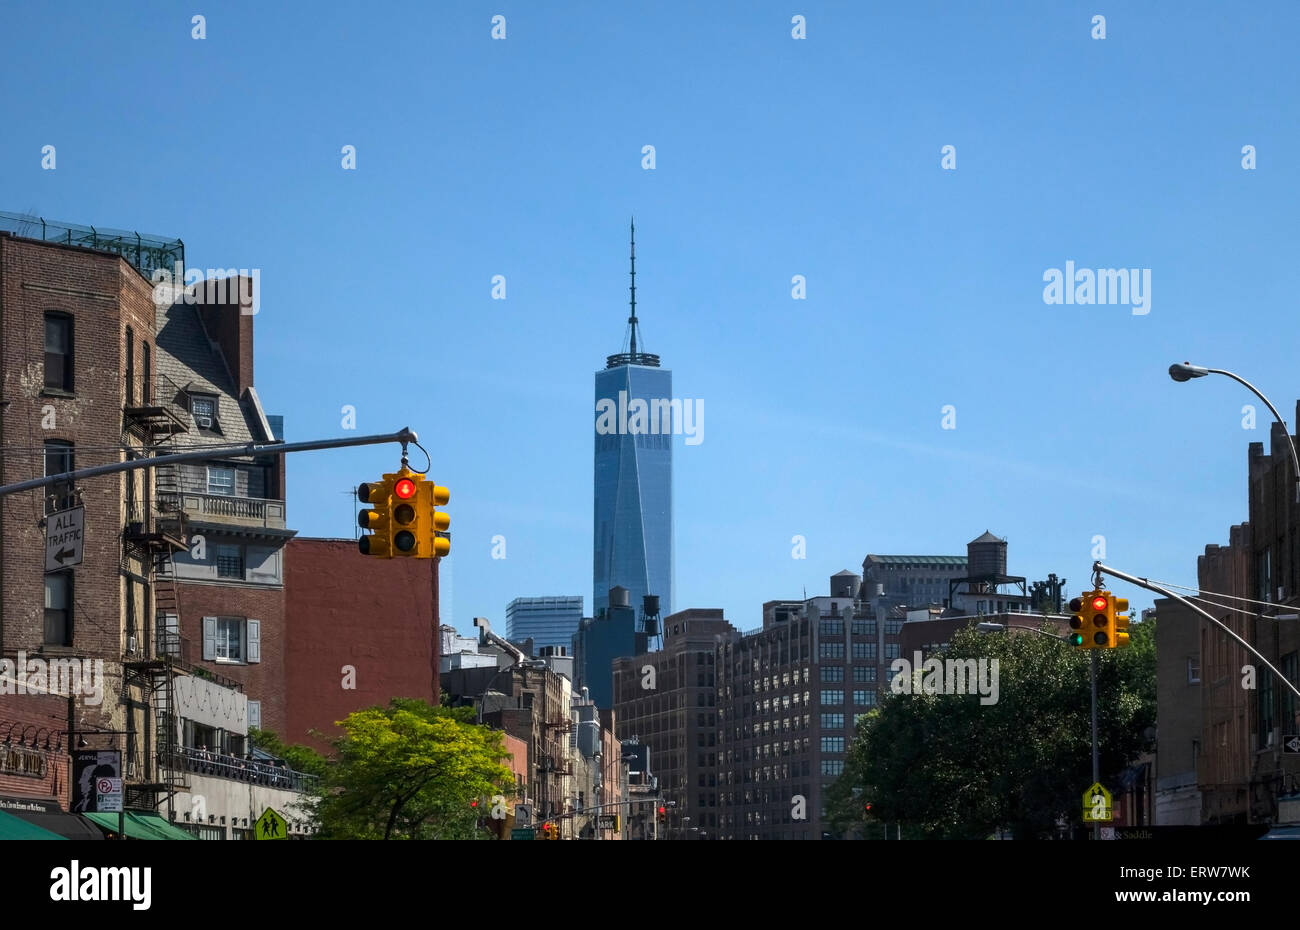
x,y
774,157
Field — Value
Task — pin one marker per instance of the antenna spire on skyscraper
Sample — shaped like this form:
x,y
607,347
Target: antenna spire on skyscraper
x,y
632,319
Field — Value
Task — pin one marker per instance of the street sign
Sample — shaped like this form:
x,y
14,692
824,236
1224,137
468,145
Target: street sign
x,y
108,791
271,826
1097,805
63,538
523,834
1291,744
607,821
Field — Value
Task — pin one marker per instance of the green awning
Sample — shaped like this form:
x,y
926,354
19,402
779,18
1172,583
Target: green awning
x,y
141,825
15,828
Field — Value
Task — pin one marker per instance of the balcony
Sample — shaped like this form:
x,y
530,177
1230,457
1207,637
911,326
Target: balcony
x,y
221,509
216,765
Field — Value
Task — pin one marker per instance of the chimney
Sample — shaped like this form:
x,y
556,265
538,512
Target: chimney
x,y
222,307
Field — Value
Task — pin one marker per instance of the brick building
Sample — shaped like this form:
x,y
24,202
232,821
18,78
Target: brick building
x,y
1224,753
179,562
668,701
360,632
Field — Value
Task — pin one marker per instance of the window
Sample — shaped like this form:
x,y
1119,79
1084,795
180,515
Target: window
x,y
832,721
1291,671
832,673
830,650
891,650
130,367
59,459
230,562
204,409
832,744
864,673
146,392
232,639
1193,670
221,480
893,627
832,766
833,697
58,609
865,650
864,628
58,352
255,715
1266,710
864,698
831,628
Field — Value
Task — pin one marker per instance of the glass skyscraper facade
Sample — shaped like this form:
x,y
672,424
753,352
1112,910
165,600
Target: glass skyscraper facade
x,y
633,521
547,621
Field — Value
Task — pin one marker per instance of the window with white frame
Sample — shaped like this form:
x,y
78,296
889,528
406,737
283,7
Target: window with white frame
x,y
235,640
221,480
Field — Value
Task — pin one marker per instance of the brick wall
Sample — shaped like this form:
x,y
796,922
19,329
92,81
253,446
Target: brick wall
x,y
103,295
263,681
344,609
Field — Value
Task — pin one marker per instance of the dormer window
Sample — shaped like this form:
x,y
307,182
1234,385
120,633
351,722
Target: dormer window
x,y
204,409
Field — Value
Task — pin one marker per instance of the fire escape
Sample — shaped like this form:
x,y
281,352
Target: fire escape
x,y
154,659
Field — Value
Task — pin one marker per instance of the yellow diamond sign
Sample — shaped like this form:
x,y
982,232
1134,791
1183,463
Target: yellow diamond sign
x,y
1096,805
271,826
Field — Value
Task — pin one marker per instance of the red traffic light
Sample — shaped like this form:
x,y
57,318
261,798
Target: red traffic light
x,y
404,488
663,810
474,803
1098,603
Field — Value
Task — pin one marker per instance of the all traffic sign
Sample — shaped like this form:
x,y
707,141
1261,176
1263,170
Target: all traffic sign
x,y
63,538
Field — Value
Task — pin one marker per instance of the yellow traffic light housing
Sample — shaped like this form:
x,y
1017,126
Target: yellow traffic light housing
x,y
378,494
434,496
404,522
1119,622
1090,622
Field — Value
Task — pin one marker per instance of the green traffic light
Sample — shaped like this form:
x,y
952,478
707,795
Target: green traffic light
x,y
1076,639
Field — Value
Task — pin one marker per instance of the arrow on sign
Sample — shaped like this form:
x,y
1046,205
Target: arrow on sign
x,y
63,555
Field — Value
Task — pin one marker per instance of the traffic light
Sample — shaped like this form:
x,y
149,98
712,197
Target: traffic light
x,y
379,495
1091,620
550,831
405,513
433,521
663,814
1118,622
405,521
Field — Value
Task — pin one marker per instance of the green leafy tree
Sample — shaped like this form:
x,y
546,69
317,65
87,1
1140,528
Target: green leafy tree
x,y
946,766
411,771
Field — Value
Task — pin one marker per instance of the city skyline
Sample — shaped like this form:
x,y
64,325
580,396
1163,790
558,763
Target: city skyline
x,y
924,286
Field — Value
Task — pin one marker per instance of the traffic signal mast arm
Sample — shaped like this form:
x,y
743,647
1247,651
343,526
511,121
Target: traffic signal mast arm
x,y
404,436
1151,586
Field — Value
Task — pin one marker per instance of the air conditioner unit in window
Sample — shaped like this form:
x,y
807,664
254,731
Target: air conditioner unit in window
x,y
131,645
204,422
130,768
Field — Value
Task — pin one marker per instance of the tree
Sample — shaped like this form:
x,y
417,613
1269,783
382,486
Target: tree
x,y
412,771
947,766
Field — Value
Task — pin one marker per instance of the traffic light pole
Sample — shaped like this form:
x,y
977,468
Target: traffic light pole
x,y
1151,586
404,436
1096,754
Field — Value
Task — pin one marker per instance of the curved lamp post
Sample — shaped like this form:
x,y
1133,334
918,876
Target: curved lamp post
x,y
1186,371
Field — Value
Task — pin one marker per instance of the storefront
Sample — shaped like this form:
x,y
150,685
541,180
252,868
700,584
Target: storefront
x,y
46,815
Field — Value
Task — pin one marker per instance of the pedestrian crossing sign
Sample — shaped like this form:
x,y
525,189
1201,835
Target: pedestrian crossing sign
x,y
271,826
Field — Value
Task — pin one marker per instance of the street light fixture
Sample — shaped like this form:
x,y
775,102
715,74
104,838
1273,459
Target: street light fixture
x,y
1186,371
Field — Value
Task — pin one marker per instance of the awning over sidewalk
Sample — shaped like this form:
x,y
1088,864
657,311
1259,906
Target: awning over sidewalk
x,y
46,814
15,828
141,825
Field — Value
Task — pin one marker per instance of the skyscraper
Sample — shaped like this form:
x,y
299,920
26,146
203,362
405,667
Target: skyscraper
x,y
547,621
633,520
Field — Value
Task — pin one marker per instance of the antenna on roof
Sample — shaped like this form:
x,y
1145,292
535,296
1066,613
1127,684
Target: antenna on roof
x,y
632,289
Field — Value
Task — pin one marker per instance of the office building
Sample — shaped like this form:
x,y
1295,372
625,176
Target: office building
x,y
547,621
633,516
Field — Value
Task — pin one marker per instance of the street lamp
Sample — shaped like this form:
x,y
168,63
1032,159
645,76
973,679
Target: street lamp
x,y
1186,371
988,627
